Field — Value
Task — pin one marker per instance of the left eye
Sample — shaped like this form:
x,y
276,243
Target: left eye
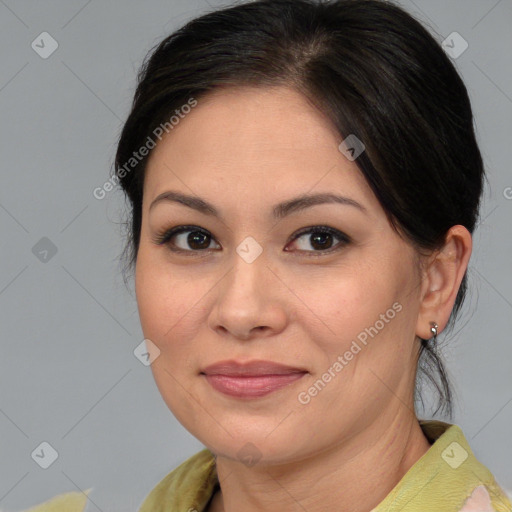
x,y
199,240
321,238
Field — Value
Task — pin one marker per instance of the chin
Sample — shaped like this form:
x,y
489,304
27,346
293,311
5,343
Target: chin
x,y
255,450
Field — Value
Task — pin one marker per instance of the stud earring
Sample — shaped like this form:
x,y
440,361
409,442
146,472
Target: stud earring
x,y
433,330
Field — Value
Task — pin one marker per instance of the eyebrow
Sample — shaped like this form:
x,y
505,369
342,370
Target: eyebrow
x,y
280,211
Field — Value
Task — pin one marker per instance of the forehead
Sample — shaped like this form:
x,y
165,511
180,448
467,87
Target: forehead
x,y
267,119
254,139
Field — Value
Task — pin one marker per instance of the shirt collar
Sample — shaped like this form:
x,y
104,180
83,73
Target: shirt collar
x,y
443,478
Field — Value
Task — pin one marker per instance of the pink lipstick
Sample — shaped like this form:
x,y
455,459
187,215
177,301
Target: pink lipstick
x,y
252,379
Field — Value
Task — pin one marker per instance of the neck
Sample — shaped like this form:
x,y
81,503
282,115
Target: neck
x,y
355,475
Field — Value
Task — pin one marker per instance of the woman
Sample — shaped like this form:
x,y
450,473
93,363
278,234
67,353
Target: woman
x,y
304,181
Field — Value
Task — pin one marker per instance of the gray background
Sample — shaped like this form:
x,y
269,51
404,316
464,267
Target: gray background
x,y
68,375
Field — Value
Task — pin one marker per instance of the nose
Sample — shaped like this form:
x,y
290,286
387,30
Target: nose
x,y
249,302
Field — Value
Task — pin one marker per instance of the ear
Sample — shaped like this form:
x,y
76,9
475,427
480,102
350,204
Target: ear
x,y
441,280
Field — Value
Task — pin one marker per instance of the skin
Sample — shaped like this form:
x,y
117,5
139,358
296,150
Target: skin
x,y
244,150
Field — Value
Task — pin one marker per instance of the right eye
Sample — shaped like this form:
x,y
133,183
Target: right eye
x,y
196,238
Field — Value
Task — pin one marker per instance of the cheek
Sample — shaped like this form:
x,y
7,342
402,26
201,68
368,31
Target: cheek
x,y
348,300
362,311
169,303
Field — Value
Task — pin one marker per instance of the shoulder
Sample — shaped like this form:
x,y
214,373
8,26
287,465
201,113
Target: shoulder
x,y
67,502
190,485
447,477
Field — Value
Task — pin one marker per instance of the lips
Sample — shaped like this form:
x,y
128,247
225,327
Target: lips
x,y
253,379
250,369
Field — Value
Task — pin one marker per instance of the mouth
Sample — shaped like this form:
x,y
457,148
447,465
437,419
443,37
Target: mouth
x,y
252,379
251,387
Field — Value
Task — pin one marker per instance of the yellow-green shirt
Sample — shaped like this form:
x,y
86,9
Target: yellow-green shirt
x,y
447,478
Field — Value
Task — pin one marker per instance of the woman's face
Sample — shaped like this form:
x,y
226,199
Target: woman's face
x,y
341,307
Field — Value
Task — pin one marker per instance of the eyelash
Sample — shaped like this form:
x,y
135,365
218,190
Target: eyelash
x,y
165,236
